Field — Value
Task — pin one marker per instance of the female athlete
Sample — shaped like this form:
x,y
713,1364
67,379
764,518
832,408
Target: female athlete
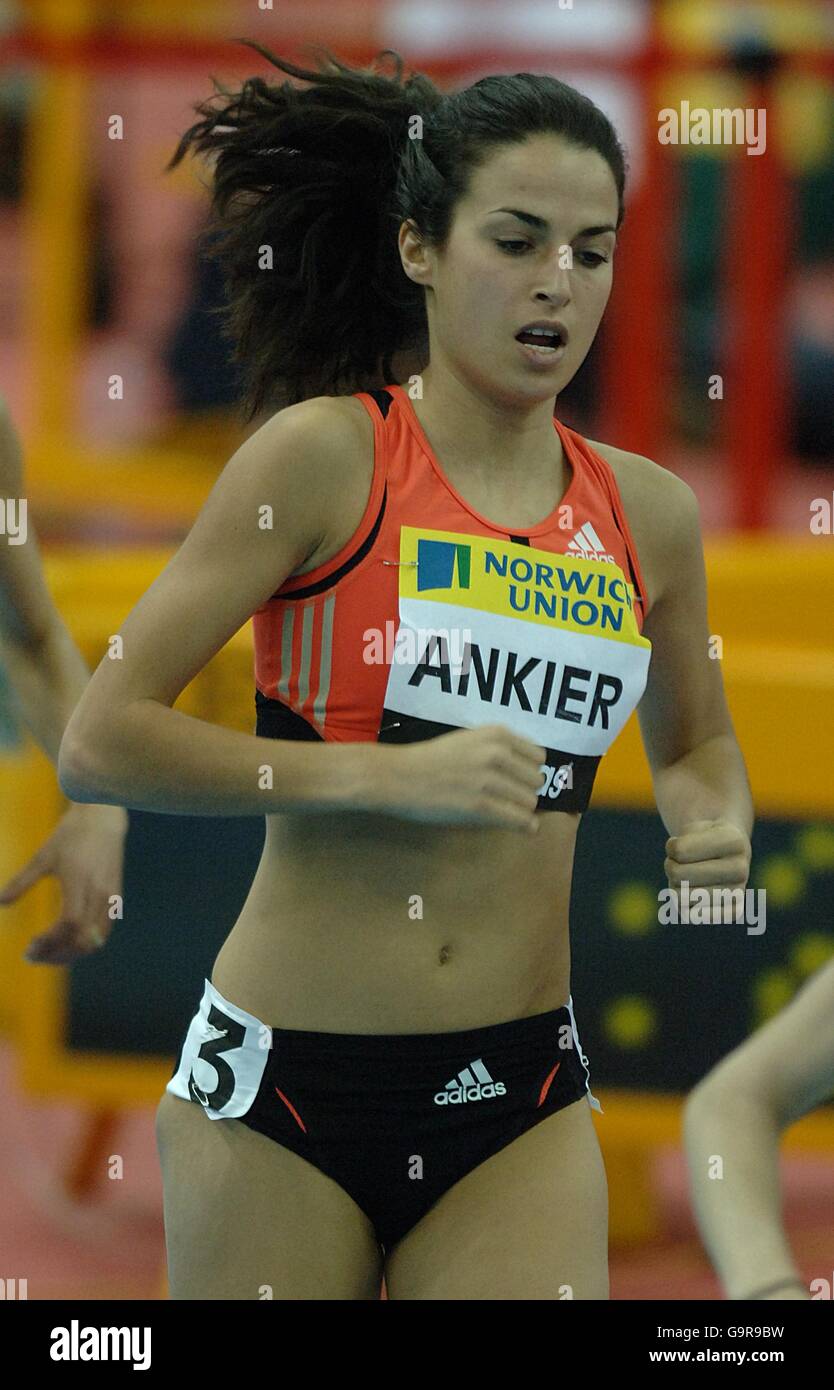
x,y
457,603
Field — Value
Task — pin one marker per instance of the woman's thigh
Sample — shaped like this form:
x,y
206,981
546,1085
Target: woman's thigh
x,y
529,1222
246,1218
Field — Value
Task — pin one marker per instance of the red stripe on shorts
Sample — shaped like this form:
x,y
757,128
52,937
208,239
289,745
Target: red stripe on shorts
x,y
546,1086
292,1109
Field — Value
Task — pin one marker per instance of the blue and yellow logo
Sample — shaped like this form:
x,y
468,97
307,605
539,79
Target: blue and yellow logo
x,y
436,564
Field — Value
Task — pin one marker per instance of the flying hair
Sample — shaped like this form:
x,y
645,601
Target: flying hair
x,y
310,185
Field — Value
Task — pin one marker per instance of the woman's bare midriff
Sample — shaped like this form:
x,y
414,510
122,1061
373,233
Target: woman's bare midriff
x,y
363,923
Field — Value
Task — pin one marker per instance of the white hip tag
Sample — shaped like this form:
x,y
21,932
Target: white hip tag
x,y
223,1057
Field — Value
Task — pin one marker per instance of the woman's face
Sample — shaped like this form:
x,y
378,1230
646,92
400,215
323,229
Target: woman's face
x,y
500,271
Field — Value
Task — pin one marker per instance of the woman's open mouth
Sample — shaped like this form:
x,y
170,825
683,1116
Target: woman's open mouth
x,y
544,346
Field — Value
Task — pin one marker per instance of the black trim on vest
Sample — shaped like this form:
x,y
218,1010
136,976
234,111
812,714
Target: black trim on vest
x,y
329,580
521,540
627,549
383,399
277,720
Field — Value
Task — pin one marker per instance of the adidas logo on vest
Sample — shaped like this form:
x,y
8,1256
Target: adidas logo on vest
x,y
587,543
473,1083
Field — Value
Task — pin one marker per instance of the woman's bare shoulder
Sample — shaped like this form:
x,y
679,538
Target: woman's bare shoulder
x,y
338,444
327,422
641,478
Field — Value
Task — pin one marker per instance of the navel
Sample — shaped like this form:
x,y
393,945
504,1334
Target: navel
x,y
443,955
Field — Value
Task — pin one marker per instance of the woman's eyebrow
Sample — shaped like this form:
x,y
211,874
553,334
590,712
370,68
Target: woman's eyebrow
x,y
543,224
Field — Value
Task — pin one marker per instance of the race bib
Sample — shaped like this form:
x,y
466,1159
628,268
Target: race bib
x,y
223,1057
494,632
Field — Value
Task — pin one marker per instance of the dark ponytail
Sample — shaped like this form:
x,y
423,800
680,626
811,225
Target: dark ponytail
x,y
322,177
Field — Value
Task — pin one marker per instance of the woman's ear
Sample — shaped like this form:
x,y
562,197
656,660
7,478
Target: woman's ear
x,y
414,254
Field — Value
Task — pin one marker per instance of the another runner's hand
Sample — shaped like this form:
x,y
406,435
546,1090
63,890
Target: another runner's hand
x,y
85,852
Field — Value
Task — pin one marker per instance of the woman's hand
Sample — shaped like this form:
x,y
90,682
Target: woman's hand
x,y
486,776
86,853
711,854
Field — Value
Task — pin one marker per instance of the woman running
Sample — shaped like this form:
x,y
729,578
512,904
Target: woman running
x,y
455,601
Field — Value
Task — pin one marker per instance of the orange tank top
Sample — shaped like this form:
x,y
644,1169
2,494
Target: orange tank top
x,y
433,618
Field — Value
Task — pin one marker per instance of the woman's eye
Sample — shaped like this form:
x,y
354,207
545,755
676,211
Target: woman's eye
x,y
592,259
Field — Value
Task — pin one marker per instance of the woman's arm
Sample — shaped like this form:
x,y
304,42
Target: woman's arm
x,y
697,767
700,780
47,675
732,1123
125,744
47,672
